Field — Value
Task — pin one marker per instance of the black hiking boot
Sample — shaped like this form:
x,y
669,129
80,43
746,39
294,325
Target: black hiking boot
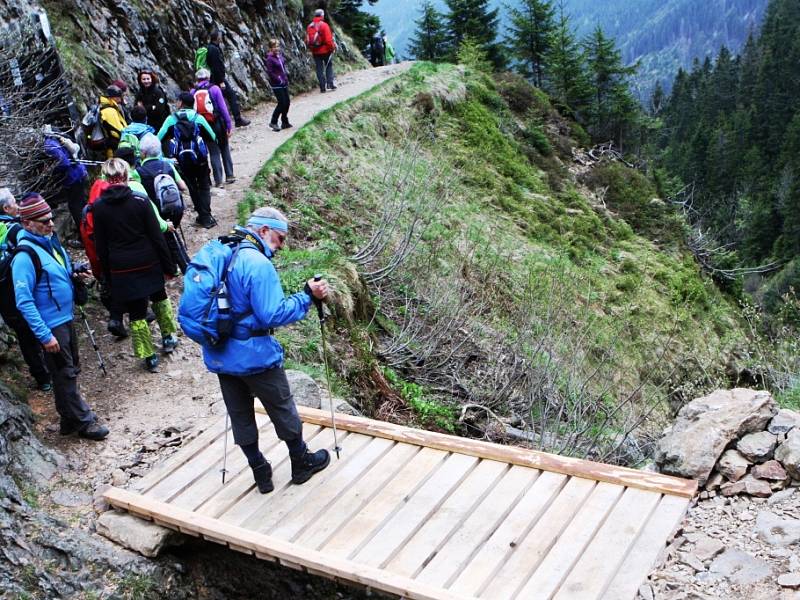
x,y
309,463
67,427
263,476
117,329
286,125
151,363
274,127
94,431
242,122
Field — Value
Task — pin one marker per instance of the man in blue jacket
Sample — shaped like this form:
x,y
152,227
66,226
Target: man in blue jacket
x,y
45,301
250,362
32,353
71,177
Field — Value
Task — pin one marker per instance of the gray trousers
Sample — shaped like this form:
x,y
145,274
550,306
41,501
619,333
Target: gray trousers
x,y
324,65
272,388
64,367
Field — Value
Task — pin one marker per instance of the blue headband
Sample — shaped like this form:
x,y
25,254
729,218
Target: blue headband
x,y
267,222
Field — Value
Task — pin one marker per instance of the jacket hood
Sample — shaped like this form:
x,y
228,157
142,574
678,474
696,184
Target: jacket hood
x,y
116,194
138,129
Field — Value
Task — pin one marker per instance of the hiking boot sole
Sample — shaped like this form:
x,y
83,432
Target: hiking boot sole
x,y
306,475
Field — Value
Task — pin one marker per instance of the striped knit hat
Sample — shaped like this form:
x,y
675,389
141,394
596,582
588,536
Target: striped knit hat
x,y
32,207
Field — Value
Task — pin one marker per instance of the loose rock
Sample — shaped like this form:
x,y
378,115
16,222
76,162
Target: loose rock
x,y
776,530
790,580
784,421
757,447
733,465
70,498
771,470
740,567
135,534
705,426
707,548
788,453
304,389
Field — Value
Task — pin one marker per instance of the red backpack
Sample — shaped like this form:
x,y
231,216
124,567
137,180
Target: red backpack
x,y
313,36
204,105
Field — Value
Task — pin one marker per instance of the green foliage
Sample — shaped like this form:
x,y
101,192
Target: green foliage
x,y
429,410
430,38
530,35
471,54
473,20
137,587
358,24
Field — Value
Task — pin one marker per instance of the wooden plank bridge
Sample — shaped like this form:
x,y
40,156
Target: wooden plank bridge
x,y
423,515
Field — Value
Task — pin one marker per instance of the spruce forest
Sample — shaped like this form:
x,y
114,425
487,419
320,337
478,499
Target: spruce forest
x,y
722,146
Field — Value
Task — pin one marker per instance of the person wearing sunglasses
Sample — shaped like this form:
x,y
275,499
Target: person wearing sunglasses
x,y
250,362
45,293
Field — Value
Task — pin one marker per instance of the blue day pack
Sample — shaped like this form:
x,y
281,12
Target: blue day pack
x,y
187,144
204,312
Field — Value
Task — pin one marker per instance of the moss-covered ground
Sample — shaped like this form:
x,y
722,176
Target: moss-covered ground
x,y
483,165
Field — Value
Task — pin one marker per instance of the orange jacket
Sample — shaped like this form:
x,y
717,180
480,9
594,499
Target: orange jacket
x,y
319,38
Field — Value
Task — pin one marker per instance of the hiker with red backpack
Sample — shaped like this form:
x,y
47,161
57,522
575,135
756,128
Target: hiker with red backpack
x,y
188,134
209,102
279,82
216,64
319,40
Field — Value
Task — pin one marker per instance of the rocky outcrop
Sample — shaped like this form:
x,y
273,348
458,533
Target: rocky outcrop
x,y
102,40
706,426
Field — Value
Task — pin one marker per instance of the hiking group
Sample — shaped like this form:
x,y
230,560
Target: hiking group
x,y
129,225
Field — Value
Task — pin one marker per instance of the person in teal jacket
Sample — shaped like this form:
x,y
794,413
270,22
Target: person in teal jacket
x,y
197,176
250,362
46,304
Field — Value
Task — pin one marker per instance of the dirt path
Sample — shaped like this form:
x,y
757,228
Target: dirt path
x,y
148,414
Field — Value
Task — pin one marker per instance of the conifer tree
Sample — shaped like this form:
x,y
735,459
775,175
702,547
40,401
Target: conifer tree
x,y
530,36
613,108
566,78
359,25
473,19
430,39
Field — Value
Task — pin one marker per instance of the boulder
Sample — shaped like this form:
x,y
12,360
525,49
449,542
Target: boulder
x,y
790,580
770,470
784,421
705,427
757,447
788,453
776,530
304,389
740,567
732,465
748,485
135,534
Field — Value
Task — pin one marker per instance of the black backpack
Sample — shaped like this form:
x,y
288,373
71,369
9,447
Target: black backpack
x,y
8,300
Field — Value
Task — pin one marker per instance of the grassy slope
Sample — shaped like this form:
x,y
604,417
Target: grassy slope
x,y
514,227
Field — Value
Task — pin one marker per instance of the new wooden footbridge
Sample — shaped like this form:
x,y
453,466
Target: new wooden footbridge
x,y
423,515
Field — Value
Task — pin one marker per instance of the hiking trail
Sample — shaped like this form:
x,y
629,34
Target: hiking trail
x,y
150,415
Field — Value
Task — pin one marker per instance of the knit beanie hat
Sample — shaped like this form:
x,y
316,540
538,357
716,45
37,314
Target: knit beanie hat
x,y
113,91
32,207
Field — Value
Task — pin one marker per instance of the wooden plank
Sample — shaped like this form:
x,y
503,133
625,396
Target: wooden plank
x,y
440,526
570,546
416,510
384,503
322,501
644,553
244,507
510,533
443,564
181,457
278,508
523,558
602,558
210,482
514,455
284,551
242,484
352,500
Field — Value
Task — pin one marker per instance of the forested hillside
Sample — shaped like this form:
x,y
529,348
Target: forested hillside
x,y
732,133
662,35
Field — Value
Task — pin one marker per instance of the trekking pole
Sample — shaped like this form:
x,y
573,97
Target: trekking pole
x,y
92,340
224,470
321,314
81,161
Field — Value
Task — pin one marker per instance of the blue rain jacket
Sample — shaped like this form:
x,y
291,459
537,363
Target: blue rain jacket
x,y
255,291
48,303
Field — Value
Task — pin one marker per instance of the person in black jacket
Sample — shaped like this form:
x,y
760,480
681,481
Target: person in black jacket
x,y
135,259
153,98
216,65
